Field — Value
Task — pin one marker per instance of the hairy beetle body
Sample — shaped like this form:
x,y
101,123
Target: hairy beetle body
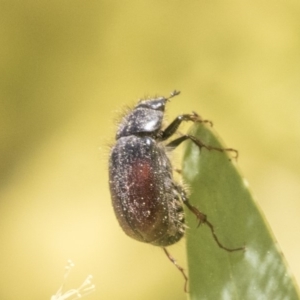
x,y
145,200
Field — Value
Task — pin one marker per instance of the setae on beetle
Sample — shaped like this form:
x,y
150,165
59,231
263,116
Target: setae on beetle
x,y
148,203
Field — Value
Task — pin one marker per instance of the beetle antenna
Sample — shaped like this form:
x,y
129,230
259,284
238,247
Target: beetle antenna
x,y
173,94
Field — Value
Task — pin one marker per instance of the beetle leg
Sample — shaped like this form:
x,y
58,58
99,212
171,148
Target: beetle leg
x,y
203,219
178,141
177,266
172,128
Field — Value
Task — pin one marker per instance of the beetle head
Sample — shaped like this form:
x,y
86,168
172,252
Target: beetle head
x,y
145,118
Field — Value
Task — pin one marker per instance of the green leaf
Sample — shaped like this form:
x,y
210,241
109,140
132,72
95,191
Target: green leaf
x,y
218,190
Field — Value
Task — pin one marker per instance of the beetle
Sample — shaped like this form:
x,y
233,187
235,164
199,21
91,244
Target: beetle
x,y
147,201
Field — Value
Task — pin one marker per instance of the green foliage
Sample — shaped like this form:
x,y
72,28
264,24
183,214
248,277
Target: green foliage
x,y
219,191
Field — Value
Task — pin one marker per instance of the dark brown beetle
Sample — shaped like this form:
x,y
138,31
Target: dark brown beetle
x,y
146,199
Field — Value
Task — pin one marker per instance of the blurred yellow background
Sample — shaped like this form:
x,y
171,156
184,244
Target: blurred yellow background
x,y
68,67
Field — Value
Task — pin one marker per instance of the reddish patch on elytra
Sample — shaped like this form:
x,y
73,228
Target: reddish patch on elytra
x,y
144,195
